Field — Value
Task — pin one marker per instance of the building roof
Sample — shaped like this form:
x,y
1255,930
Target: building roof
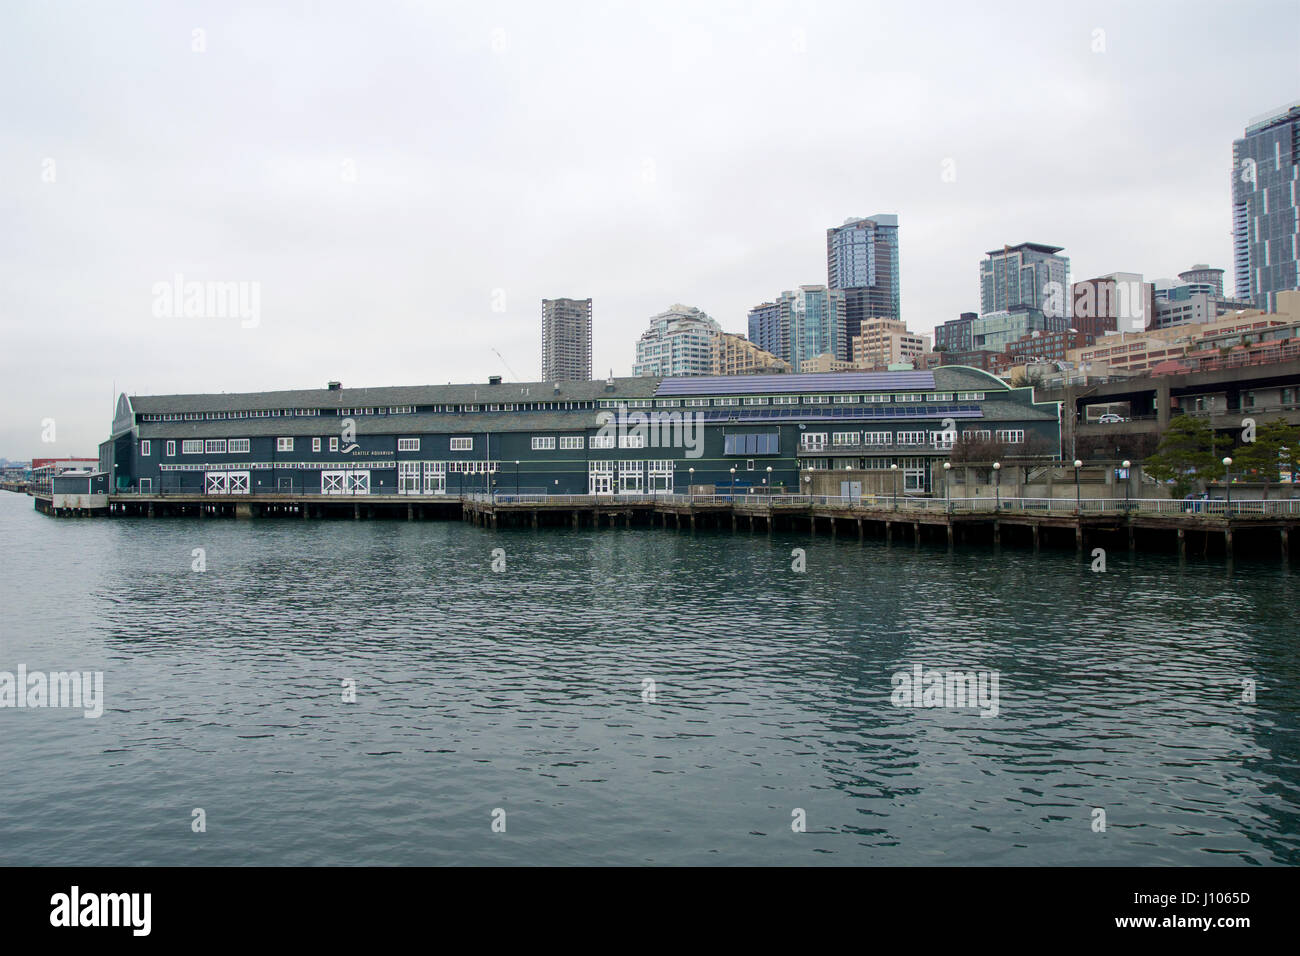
x,y
797,383
1031,246
471,394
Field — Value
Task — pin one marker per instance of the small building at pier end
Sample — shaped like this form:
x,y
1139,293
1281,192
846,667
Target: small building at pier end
x,y
749,434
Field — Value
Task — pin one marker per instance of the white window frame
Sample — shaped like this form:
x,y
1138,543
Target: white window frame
x,y
238,446
191,446
543,443
284,444
634,440
812,441
146,448
214,446
315,444
334,444
408,444
462,444
171,449
1011,436
572,442
601,441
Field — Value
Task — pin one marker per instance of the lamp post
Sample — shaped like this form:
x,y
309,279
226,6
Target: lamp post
x,y
893,467
997,485
1077,504
516,477
1227,481
733,482
1128,483
692,486
768,480
947,496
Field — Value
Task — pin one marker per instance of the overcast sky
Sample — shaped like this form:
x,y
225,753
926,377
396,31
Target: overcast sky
x,y
402,183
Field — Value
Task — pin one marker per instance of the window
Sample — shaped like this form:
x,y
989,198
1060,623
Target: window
x,y
570,442
334,444
786,400
171,449
756,401
1012,436
726,401
237,445
462,444
284,444
145,448
878,438
816,399
844,438
911,438
942,439
846,399
696,402
315,444
408,444
814,441
976,434
970,396
751,443
544,444
191,447
214,446
635,440
909,397
601,441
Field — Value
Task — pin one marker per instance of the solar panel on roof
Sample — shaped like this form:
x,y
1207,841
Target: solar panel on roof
x,y
802,382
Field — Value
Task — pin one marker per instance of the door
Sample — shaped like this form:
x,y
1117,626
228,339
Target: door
x,y
237,482
630,477
331,482
214,483
851,489
435,477
408,477
284,483
600,478
358,482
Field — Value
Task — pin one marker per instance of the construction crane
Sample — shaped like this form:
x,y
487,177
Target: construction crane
x,y
507,365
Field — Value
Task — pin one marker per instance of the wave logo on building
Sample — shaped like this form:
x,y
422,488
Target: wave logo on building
x,y
937,687
624,429
349,436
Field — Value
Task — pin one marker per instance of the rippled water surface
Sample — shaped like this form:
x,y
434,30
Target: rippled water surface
x,y
523,691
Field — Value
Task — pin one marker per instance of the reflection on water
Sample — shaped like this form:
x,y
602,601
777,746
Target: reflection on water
x,y
526,691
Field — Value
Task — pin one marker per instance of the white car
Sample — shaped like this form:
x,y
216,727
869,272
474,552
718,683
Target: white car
x,y
1109,419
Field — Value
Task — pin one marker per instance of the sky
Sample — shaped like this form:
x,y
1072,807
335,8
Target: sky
x,y
395,186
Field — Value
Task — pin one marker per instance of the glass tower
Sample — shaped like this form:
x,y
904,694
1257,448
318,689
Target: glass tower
x,y
1264,207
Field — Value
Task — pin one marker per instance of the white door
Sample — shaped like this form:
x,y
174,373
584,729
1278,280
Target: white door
x,y
237,482
331,482
358,482
630,477
408,477
215,483
435,477
600,478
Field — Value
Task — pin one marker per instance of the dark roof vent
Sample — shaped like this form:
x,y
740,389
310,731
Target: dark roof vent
x,y
494,379
334,386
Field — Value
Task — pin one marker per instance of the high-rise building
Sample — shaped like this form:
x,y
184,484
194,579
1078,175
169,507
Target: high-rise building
x,y
769,330
862,262
955,335
1265,170
815,316
1029,275
566,340
1202,278
680,341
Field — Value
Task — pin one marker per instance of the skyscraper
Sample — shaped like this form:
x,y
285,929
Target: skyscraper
x,y
566,340
1029,275
815,317
862,262
768,331
1265,170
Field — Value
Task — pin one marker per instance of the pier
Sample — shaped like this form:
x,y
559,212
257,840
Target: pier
x,y
1189,528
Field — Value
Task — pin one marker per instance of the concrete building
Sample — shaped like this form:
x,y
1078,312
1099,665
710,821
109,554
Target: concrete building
x,y
736,355
885,342
1028,275
1265,207
680,341
566,340
862,262
826,362
955,334
569,438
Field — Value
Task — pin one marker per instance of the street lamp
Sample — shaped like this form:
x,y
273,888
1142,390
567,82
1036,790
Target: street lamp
x,y
893,467
1227,481
997,485
1128,483
947,496
692,488
768,480
1077,465
733,482
516,477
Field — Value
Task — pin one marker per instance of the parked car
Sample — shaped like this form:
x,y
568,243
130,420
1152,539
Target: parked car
x,y
1110,418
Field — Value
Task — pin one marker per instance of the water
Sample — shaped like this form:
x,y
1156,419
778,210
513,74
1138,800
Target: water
x,y
523,691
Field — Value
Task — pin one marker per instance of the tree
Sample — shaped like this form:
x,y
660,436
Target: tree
x,y
1186,453
1272,448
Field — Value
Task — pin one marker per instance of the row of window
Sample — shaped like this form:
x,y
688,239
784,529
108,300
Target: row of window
x,y
560,406
816,441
